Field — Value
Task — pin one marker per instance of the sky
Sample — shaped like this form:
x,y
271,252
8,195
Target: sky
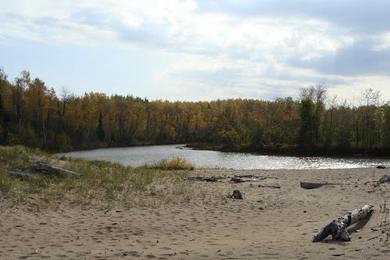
x,y
194,50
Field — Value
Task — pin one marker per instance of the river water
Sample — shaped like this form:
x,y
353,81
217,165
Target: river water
x,y
142,155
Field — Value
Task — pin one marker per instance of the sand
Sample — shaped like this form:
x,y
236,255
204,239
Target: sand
x,y
269,223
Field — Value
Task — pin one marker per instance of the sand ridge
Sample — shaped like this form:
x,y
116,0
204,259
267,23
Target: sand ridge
x,y
269,223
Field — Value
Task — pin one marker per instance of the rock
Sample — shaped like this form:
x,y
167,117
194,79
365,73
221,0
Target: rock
x,y
237,195
384,178
381,167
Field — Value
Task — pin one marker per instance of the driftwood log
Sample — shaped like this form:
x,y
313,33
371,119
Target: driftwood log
x,y
41,168
337,228
207,179
22,175
240,179
234,178
314,185
269,186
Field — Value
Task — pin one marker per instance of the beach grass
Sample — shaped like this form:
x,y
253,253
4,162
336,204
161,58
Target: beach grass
x,y
175,164
100,183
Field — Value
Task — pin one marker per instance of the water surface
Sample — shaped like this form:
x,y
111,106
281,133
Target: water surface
x,y
139,156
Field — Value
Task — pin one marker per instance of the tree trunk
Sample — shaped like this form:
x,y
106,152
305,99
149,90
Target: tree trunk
x,y
337,228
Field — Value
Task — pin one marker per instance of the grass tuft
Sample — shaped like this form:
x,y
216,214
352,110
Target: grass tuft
x,y
173,165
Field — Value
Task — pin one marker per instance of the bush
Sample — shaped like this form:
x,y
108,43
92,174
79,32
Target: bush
x,y
173,164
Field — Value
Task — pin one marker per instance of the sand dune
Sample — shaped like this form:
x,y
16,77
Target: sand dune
x,y
268,223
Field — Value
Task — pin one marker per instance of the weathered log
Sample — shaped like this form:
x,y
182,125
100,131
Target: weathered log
x,y
239,179
52,170
311,185
207,179
245,176
314,185
22,175
337,228
269,186
234,178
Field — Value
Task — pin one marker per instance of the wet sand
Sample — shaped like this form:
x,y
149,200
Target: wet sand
x,y
269,223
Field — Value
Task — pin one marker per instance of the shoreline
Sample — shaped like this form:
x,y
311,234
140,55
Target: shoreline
x,y
289,151
294,152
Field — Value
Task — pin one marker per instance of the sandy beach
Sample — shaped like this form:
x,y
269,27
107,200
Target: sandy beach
x,y
269,223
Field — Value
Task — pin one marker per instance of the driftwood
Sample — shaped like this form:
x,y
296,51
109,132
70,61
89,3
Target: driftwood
x,y
269,186
40,167
337,228
234,178
207,179
240,179
314,185
22,175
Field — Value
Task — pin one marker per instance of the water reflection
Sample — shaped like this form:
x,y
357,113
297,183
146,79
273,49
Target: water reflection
x,y
138,156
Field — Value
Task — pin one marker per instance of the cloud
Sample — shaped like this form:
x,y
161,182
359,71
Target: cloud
x,y
173,25
227,48
359,16
358,58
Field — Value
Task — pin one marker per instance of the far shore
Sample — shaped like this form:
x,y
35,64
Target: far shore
x,y
298,152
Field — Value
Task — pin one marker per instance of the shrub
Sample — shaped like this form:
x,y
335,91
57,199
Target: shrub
x,y
173,164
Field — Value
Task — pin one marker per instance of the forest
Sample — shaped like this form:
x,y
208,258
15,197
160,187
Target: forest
x,y
34,115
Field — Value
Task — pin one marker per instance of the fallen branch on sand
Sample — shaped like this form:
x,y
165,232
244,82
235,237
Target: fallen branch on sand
x,y
207,179
269,186
41,168
235,178
314,185
22,175
240,179
337,228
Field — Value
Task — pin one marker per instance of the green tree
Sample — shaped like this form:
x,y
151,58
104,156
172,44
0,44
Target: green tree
x,y
308,120
100,128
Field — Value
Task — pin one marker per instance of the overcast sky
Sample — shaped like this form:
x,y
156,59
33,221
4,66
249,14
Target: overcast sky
x,y
199,50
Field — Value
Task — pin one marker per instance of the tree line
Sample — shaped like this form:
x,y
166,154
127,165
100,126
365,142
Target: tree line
x,y
34,115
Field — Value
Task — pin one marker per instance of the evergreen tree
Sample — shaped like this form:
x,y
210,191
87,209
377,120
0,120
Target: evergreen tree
x,y
100,129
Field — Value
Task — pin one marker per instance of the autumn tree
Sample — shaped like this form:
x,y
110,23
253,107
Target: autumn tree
x,y
32,114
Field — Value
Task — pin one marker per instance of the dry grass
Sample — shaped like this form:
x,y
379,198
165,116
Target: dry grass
x,y
100,183
175,164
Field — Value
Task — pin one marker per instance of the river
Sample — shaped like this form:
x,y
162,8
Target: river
x,y
142,155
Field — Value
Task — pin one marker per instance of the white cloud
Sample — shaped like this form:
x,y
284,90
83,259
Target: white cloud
x,y
383,41
216,54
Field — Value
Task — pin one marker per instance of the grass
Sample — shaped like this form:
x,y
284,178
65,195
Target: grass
x,y
173,165
100,183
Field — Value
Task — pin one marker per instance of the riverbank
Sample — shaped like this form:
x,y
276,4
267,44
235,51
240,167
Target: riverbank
x,y
297,151
269,223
